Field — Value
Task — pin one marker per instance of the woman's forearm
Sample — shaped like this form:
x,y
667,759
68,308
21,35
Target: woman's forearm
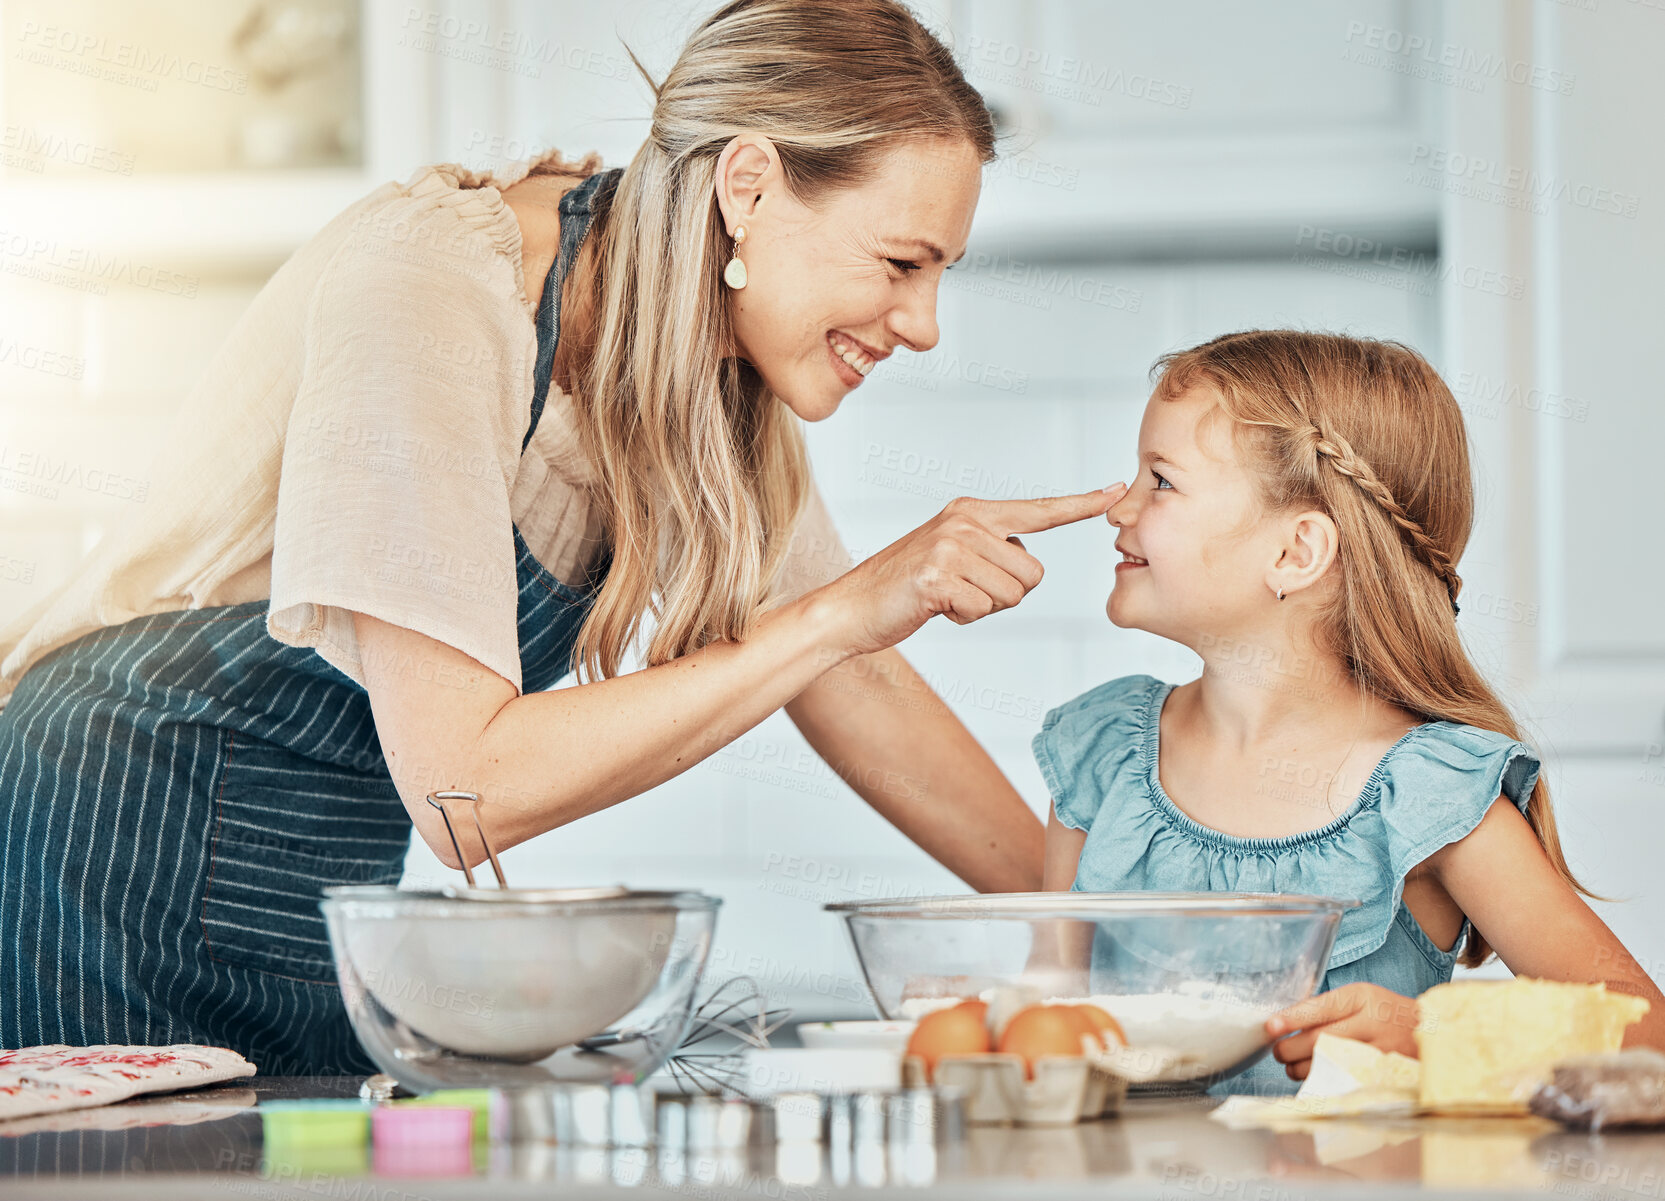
x,y
883,729
622,736
543,759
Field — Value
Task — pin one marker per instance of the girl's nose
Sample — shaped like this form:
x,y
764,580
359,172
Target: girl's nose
x,y
1119,507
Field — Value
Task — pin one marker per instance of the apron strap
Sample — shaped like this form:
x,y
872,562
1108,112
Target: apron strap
x,y
577,208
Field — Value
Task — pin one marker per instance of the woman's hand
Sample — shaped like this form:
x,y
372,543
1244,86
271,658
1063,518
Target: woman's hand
x,y
1364,1012
966,562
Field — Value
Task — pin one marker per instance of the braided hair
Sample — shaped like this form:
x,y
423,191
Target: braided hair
x,y
1344,459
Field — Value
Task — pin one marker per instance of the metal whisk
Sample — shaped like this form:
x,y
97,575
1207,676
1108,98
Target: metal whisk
x,y
736,1008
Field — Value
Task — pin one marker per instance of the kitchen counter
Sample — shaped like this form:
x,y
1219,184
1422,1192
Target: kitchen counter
x,y
208,1144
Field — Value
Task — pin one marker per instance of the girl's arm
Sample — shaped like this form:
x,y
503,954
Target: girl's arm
x,y
1500,877
893,740
1063,854
1061,956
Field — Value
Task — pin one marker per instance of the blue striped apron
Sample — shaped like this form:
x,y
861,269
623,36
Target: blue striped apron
x,y
176,791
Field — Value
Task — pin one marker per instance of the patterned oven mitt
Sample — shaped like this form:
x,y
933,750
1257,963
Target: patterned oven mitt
x,y
38,1080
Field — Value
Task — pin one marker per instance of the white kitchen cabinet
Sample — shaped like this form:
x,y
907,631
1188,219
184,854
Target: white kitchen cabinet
x,y
1197,127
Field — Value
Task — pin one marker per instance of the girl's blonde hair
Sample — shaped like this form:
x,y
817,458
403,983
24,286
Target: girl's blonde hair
x,y
1367,432
702,471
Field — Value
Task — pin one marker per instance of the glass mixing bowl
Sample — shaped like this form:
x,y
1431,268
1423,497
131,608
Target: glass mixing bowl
x,y
518,987
1190,977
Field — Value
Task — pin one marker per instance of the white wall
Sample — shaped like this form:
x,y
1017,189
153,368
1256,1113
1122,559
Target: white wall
x,y
1558,190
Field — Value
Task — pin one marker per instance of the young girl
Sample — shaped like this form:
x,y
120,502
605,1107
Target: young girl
x,y
1300,505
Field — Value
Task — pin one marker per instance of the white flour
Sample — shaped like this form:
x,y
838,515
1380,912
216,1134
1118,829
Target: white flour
x,y
1179,1037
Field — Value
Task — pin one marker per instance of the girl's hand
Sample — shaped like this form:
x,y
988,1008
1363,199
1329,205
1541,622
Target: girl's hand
x,y
966,562
1364,1012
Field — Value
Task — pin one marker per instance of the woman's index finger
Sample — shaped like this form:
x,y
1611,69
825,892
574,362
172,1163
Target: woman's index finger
x,y
1007,517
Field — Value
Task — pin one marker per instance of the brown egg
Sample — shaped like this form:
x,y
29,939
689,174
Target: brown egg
x,y
957,1031
1108,1029
1037,1031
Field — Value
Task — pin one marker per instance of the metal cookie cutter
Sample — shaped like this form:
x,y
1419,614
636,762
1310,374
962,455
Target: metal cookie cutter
x,y
436,799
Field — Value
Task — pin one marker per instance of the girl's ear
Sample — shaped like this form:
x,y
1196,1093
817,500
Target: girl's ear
x,y
1311,543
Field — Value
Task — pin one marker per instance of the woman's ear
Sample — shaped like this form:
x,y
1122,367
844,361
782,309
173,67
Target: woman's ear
x,y
747,170
1311,543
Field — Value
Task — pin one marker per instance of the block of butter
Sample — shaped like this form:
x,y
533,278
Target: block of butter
x,y
1486,1045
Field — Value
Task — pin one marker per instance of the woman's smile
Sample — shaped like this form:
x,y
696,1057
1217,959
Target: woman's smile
x,y
850,359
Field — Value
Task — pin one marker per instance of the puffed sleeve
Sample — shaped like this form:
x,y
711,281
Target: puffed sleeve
x,y
403,443
1439,789
1089,743
1433,791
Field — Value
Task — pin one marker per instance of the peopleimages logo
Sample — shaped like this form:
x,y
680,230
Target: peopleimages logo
x,y
16,571
39,43
1065,76
36,473
31,145
1398,267
504,48
395,986
1367,43
36,358
51,261
1520,187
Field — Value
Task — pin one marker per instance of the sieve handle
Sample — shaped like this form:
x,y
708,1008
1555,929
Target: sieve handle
x,y
436,799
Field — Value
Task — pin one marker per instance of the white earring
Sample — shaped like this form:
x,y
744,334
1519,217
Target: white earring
x,y
1280,593
734,275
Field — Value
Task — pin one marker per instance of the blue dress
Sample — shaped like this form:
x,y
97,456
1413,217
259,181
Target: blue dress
x,y
177,791
1099,752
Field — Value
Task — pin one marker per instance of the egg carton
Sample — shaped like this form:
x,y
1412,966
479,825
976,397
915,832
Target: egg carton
x,y
1065,1089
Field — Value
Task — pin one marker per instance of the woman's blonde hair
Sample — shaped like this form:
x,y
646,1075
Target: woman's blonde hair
x,y
1367,432
702,471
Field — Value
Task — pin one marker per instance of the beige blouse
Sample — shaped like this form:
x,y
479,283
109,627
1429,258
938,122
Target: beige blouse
x,y
355,444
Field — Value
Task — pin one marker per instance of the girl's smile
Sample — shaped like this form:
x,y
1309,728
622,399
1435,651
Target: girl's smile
x,y
1191,526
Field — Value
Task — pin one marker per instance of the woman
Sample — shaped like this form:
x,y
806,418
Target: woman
x,y
402,507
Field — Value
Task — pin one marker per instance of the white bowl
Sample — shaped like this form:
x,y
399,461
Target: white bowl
x,y
856,1036
771,1070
